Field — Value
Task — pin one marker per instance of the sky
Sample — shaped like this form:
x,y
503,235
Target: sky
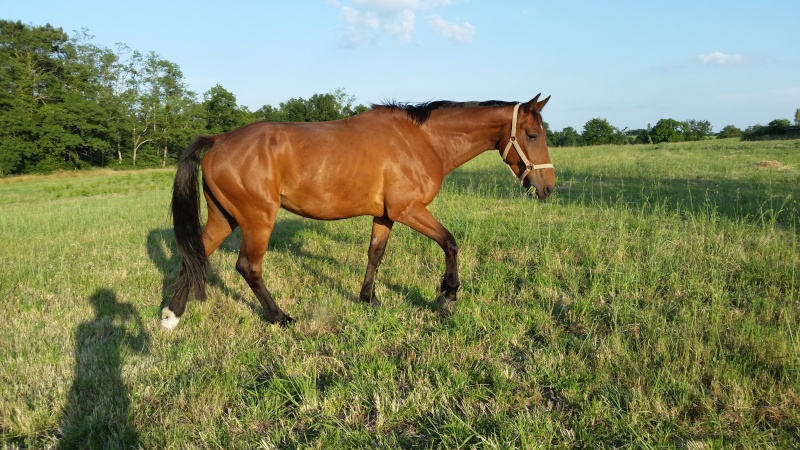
x,y
631,62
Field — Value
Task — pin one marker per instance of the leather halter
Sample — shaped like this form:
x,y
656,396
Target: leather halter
x,y
512,142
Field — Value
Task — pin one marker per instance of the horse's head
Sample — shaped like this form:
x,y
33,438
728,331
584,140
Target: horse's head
x,y
530,162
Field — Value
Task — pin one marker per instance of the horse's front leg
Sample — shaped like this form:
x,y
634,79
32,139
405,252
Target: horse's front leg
x,y
420,219
381,227
450,283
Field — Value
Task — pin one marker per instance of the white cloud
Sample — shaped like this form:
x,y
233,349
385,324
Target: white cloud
x,y
366,20
402,25
460,33
721,59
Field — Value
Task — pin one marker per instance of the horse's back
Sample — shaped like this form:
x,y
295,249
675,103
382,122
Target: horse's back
x,y
323,170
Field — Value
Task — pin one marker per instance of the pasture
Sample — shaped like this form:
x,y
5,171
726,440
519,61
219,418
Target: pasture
x,y
653,302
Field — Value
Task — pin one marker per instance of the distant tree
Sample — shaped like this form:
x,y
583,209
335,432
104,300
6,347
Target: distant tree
x,y
51,116
797,117
636,132
598,131
730,131
778,126
696,130
666,130
269,113
620,137
776,129
345,105
640,136
320,107
643,136
171,108
753,132
568,137
222,113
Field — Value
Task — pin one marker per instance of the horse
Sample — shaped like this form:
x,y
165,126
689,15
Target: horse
x,y
388,162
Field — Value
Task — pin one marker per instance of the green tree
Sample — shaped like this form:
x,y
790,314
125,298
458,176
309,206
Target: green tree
x,y
222,112
137,108
696,130
320,107
597,132
797,117
568,137
778,126
50,116
269,113
730,131
666,130
643,136
171,108
159,113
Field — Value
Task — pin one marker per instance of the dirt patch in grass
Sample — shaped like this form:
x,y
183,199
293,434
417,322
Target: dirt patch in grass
x,y
771,164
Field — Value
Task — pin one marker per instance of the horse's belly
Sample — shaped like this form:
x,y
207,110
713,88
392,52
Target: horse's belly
x,y
328,205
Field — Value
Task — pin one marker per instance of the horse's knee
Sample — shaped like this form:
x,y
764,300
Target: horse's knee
x,y
250,271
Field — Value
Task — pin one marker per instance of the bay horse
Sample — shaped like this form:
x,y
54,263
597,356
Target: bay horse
x,y
388,162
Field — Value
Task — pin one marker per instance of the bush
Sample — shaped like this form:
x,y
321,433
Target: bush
x,y
730,131
777,129
666,130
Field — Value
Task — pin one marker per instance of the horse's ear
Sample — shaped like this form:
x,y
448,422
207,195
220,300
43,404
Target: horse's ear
x,y
535,104
540,105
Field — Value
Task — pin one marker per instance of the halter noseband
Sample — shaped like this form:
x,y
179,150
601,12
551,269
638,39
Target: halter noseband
x,y
529,166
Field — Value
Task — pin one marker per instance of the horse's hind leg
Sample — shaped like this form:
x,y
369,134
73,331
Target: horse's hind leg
x,y
254,244
381,227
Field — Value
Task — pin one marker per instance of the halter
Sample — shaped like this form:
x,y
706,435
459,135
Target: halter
x,y
512,141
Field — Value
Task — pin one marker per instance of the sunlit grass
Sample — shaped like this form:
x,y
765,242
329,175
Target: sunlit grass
x,y
654,302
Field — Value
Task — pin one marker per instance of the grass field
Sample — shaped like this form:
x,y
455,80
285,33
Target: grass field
x,y
654,302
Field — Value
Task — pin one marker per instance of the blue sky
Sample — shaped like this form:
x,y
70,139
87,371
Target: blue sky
x,y
631,62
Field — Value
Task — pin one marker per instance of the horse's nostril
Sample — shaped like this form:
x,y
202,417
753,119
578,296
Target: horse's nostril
x,y
548,189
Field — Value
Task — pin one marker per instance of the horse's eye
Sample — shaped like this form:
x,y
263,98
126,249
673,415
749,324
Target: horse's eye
x,y
532,136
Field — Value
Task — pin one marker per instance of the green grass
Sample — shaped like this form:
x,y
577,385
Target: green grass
x,y
654,302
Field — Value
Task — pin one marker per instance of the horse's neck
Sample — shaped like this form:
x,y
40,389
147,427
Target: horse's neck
x,y
464,135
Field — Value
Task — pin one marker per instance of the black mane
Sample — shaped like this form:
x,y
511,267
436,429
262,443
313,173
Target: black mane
x,y
420,112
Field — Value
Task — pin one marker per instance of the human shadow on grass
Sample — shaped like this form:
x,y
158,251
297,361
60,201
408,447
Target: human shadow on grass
x,y
97,411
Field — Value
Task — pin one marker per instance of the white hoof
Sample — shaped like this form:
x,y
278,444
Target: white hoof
x,y
168,318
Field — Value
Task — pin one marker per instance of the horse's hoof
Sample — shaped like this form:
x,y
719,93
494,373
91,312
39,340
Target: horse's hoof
x,y
168,318
446,306
285,321
371,300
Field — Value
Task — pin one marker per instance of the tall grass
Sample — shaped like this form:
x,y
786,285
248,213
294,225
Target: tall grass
x,y
654,302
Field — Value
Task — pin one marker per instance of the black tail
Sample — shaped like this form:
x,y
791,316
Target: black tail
x,y
186,218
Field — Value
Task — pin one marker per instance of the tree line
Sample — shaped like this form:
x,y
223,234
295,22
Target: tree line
x,y
66,102
599,131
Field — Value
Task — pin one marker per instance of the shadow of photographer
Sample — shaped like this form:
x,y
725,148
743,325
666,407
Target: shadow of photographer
x,y
97,411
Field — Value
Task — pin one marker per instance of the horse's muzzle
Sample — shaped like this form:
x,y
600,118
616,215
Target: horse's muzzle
x,y
543,193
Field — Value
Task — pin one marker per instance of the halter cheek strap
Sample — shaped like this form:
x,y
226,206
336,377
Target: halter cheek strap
x,y
512,142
